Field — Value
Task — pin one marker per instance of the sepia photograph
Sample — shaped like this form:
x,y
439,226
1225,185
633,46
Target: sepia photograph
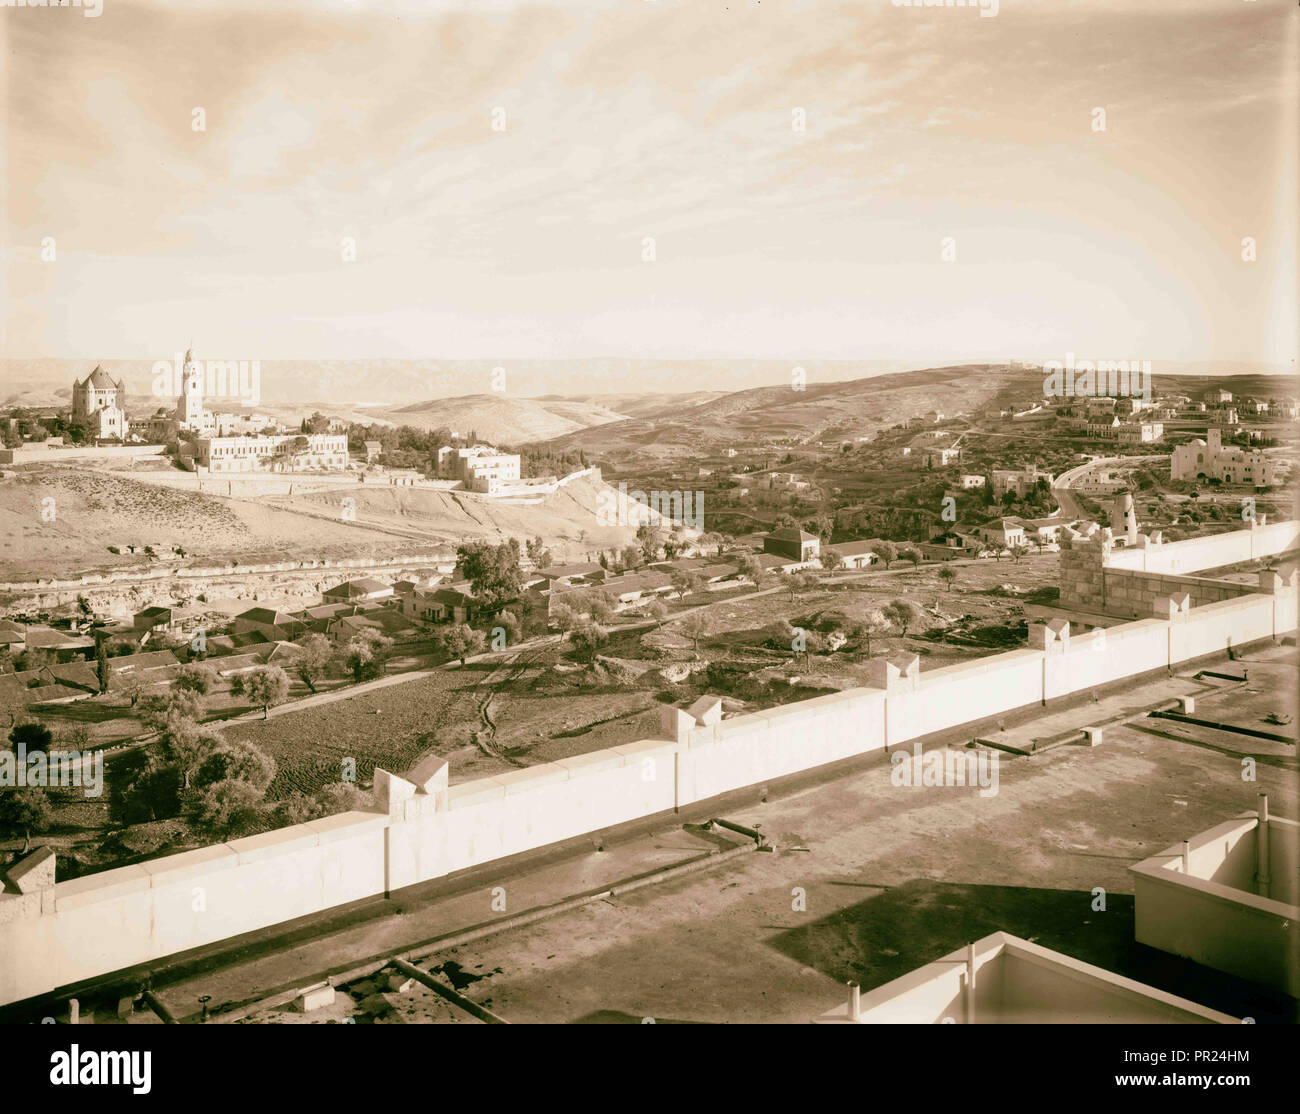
x,y
649,512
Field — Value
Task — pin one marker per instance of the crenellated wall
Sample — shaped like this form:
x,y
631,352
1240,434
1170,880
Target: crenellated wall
x,y
60,933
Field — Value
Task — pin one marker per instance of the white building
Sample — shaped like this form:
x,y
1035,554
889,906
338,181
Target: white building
x,y
286,452
97,405
941,458
1020,482
480,467
1199,460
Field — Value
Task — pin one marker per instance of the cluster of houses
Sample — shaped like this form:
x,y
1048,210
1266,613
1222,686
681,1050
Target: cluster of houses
x,y
255,637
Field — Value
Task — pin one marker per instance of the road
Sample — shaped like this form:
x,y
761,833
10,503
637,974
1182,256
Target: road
x,y
1070,506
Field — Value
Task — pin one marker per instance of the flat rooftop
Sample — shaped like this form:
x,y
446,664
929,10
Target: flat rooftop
x,y
869,881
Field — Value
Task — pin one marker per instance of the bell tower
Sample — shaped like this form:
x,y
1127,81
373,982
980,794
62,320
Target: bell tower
x,y
191,404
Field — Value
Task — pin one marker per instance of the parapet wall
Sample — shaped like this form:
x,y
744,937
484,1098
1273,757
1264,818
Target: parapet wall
x,y
1213,913
1213,552
1098,577
67,932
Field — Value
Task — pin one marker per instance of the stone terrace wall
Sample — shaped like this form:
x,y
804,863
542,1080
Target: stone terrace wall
x,y
66,932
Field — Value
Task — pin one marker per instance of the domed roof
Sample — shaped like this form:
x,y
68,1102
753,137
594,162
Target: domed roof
x,y
101,380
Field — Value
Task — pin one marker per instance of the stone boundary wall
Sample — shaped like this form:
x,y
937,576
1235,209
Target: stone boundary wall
x,y
421,829
164,572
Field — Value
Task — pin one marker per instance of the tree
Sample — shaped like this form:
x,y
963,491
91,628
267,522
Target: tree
x,y
197,678
538,553
35,736
695,626
910,554
163,713
650,540
133,687
873,623
266,686
711,538
657,610
887,552
948,575
509,622
587,637
685,582
185,747
603,608
143,787
315,659
225,809
101,664
366,653
492,570
630,557
25,810
833,561
1018,551
903,614
234,760
749,567
805,581
459,640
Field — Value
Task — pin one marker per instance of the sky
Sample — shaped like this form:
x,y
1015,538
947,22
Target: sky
x,y
927,130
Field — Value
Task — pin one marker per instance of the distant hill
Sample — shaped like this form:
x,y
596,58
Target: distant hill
x,y
827,411
503,418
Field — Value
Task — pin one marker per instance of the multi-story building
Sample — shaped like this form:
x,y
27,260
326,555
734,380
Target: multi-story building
x,y
1113,429
98,406
1021,482
1210,460
941,458
286,452
791,542
480,467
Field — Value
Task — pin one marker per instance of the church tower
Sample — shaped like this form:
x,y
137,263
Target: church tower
x,y
191,402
